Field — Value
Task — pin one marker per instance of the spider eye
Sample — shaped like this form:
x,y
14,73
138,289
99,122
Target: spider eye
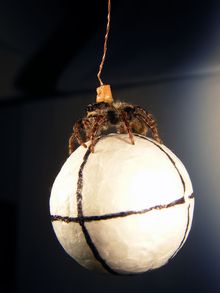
x,y
90,108
102,105
97,106
129,109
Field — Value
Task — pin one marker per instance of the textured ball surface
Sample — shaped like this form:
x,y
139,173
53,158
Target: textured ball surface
x,y
123,209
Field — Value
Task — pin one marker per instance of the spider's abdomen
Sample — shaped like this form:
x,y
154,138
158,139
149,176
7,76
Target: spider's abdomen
x,y
112,117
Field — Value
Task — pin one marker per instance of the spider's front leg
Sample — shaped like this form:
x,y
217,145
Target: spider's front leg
x,y
152,124
127,126
79,125
99,122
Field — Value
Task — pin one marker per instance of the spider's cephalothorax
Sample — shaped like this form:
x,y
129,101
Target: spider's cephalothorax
x,y
121,116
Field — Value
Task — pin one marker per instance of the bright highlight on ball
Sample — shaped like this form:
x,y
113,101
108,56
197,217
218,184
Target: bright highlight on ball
x,y
123,209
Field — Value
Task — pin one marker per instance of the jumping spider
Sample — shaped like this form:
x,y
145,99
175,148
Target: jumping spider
x,y
123,117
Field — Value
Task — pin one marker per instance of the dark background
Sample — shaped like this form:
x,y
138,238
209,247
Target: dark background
x,y
164,56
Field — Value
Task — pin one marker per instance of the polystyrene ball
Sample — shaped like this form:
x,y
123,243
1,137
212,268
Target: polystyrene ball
x,y
123,209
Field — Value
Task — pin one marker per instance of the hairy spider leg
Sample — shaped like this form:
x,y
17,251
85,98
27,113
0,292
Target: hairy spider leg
x,y
71,143
99,121
76,135
78,125
151,123
87,126
127,126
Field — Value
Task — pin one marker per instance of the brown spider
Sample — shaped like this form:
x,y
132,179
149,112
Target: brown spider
x,y
120,116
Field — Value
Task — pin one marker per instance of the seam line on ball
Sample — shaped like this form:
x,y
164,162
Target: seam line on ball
x,y
185,233
191,196
115,215
169,157
81,217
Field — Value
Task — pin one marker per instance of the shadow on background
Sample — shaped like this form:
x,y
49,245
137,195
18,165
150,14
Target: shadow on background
x,y
8,212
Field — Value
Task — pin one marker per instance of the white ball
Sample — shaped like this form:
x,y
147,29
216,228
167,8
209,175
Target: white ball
x,y
123,209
